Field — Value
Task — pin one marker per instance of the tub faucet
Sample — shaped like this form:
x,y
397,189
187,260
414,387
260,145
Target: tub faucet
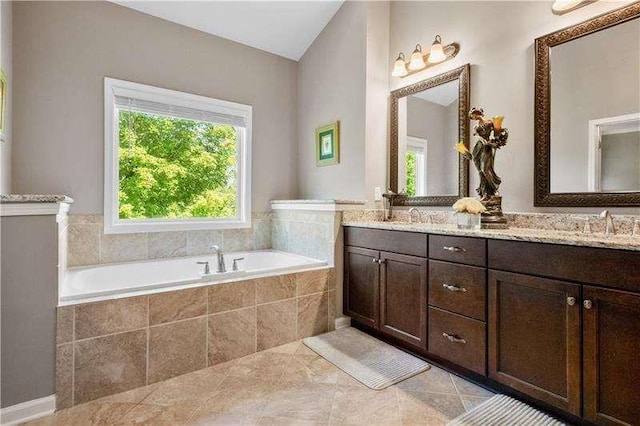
x,y
610,229
218,251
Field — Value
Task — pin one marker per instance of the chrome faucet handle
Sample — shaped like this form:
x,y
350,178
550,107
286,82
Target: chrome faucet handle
x,y
207,269
636,228
235,263
413,210
587,226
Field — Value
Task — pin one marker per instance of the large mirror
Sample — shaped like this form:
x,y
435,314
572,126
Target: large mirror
x,y
588,113
427,120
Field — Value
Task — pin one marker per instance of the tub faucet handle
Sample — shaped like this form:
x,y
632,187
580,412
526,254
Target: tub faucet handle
x,y
235,263
207,270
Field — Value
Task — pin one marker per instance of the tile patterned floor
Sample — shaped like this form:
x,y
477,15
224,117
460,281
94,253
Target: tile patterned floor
x,y
287,385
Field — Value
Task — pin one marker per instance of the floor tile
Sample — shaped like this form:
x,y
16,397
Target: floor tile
x,y
263,365
158,415
311,369
434,380
363,406
466,388
470,402
301,401
431,409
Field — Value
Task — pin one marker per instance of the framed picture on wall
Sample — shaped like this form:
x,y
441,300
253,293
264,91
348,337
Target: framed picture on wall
x,y
328,144
3,103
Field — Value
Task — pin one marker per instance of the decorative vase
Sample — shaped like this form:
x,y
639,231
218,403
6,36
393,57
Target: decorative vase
x,y
468,220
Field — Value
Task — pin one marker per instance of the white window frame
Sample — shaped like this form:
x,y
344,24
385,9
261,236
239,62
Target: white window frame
x,y
418,146
112,222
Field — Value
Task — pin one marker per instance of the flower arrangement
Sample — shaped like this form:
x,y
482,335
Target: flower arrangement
x,y
469,205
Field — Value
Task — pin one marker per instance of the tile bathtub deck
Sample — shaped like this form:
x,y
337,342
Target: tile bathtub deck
x,y
287,385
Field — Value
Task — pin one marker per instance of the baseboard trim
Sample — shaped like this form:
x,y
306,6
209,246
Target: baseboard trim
x,y
29,410
342,322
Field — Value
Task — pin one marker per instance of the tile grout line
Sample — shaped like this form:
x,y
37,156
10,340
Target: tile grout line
x,y
146,374
457,392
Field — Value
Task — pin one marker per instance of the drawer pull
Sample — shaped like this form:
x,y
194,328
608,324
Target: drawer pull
x,y
454,288
453,339
455,249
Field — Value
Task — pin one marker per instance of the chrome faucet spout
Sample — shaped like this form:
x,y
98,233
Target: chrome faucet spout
x,y
610,229
221,267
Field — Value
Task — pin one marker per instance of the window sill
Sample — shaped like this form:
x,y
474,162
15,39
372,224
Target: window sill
x,y
130,227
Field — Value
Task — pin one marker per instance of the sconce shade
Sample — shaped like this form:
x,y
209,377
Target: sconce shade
x,y
436,53
565,5
399,67
417,61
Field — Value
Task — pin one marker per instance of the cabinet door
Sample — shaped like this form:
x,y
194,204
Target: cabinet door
x,y
403,311
611,356
362,285
534,337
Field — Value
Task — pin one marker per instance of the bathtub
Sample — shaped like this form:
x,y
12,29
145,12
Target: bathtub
x,y
103,282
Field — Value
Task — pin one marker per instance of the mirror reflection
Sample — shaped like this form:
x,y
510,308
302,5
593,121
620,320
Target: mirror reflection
x,y
595,112
427,134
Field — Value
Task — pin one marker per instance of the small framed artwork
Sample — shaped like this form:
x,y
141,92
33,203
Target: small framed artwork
x,y
328,144
3,103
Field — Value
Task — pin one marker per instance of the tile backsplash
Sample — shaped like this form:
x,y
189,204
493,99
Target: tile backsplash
x,y
89,245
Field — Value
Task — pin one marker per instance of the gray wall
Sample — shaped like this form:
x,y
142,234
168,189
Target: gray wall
x,y
62,52
332,86
592,77
502,72
6,64
29,287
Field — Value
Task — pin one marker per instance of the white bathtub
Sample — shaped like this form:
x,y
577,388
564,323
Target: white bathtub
x,y
102,282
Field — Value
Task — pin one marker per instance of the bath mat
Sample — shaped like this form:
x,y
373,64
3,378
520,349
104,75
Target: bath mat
x,y
502,410
373,363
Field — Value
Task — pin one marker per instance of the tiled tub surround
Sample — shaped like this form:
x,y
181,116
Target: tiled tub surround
x,y
89,245
108,347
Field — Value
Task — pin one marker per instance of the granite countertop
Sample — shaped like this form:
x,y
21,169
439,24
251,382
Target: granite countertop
x,y
34,198
624,242
330,201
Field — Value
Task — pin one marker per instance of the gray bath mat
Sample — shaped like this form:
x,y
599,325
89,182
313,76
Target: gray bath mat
x,y
373,363
501,410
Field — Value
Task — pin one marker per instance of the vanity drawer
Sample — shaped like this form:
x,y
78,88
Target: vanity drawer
x,y
411,243
471,251
458,288
458,339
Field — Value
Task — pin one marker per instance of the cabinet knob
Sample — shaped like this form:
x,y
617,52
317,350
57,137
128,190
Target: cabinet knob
x,y
571,301
454,288
454,249
374,260
588,304
453,339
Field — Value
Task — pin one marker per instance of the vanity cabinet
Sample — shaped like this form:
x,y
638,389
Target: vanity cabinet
x,y
611,358
403,298
386,289
558,324
534,337
362,285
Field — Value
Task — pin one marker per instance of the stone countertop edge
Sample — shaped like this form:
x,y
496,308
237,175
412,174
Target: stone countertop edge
x,y
620,242
34,198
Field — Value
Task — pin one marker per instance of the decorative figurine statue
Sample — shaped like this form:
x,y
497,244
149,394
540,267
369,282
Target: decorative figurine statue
x,y
491,137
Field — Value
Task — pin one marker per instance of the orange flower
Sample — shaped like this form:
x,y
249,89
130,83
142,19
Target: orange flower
x,y
497,122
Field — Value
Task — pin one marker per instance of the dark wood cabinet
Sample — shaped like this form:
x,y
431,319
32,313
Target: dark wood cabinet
x,y
362,285
558,324
611,356
403,298
534,337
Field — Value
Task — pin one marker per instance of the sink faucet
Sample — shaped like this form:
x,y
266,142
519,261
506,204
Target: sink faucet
x,y
413,210
609,227
218,251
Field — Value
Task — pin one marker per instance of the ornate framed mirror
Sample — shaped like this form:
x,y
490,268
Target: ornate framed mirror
x,y
587,113
428,118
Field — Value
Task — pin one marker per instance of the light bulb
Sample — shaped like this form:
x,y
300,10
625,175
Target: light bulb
x,y
399,67
417,61
436,54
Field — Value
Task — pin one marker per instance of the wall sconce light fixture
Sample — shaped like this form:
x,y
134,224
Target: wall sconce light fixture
x,y
420,61
560,7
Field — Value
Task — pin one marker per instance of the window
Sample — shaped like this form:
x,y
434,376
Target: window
x,y
174,161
